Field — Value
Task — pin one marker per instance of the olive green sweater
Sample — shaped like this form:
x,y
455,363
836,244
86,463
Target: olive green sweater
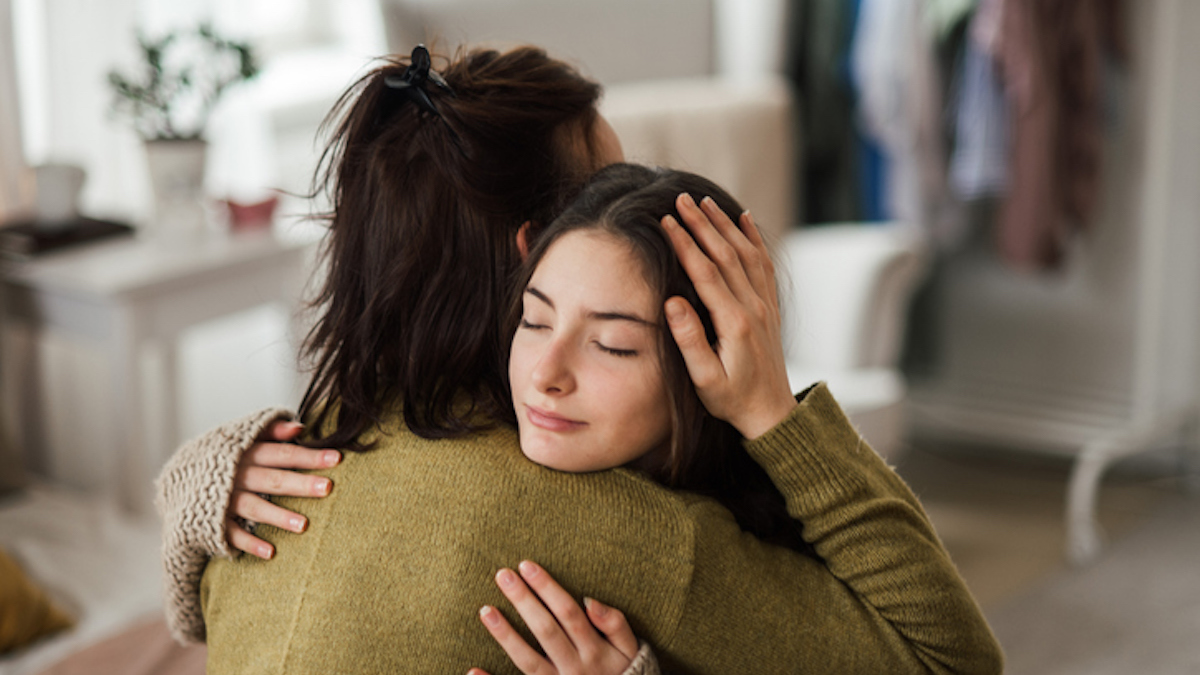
x,y
400,556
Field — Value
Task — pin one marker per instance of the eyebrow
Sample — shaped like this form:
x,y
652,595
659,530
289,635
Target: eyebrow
x,y
602,316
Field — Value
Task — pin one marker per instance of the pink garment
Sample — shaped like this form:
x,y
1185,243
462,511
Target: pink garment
x,y
1050,54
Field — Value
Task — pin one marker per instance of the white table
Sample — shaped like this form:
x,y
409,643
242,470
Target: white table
x,y
127,295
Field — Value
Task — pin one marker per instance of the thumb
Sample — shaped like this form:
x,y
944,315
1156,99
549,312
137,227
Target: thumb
x,y
703,364
282,431
612,623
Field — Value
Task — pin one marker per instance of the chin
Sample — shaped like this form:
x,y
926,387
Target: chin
x,y
547,453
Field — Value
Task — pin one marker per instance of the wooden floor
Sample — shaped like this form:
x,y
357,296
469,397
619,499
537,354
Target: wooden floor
x,y
1001,514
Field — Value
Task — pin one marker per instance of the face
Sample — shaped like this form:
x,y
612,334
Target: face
x,y
586,378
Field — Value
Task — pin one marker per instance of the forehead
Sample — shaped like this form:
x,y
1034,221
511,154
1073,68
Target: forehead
x,y
597,267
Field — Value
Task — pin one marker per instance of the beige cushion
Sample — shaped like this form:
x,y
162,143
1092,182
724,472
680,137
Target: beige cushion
x,y
26,613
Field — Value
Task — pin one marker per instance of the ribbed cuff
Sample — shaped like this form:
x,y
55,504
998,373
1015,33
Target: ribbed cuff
x,y
815,454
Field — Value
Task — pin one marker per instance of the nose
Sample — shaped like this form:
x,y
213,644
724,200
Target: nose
x,y
553,373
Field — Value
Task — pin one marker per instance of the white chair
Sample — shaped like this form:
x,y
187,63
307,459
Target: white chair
x,y
845,291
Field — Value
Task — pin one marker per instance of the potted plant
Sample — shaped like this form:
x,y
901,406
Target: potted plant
x,y
168,99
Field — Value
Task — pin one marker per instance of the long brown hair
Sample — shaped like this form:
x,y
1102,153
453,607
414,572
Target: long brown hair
x,y
421,243
705,454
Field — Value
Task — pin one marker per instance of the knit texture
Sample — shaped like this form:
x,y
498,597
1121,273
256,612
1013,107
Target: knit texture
x,y
192,496
400,556
643,662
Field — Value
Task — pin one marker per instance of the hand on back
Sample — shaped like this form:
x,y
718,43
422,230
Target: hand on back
x,y
271,467
576,641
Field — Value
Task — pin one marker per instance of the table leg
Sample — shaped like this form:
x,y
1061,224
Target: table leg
x,y
27,372
165,446
129,477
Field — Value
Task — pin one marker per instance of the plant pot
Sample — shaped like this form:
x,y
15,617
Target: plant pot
x,y
177,180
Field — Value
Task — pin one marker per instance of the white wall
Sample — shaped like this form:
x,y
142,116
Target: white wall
x,y
12,161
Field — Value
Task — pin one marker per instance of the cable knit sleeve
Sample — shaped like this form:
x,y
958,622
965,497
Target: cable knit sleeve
x,y
192,495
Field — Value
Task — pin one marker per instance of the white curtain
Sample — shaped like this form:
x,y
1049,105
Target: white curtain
x,y
12,163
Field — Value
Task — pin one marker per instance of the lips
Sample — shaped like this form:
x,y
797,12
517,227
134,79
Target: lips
x,y
547,420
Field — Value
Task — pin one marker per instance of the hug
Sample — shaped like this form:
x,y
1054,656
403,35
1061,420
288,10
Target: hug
x,y
525,351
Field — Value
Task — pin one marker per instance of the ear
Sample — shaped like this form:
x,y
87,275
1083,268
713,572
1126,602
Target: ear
x,y
523,239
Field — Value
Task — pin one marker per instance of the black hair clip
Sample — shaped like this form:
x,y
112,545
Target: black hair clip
x,y
411,83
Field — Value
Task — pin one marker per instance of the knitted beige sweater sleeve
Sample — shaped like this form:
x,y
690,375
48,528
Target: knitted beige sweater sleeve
x,y
192,495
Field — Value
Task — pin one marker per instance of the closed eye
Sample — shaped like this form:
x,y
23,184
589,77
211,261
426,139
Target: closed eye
x,y
531,326
617,352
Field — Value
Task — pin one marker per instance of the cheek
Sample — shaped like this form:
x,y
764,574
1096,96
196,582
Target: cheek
x,y
645,411
518,363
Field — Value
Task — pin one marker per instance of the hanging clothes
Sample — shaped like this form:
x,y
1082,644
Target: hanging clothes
x,y
899,107
819,33
979,165
1050,54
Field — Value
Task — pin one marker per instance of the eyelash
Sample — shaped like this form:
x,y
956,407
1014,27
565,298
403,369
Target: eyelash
x,y
622,353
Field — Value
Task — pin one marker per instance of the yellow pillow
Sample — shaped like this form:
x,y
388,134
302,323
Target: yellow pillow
x,y
26,613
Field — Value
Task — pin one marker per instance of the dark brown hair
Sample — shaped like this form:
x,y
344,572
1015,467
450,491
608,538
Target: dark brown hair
x,y
421,244
705,454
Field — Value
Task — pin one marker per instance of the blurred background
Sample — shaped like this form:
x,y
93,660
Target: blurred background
x,y
986,214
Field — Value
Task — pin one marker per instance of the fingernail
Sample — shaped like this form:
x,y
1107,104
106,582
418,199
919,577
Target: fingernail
x,y
321,486
506,578
708,202
265,552
331,457
490,616
297,524
669,222
529,570
687,199
297,427
596,608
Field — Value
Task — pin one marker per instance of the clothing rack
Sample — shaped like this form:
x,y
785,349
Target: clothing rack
x,y
1100,361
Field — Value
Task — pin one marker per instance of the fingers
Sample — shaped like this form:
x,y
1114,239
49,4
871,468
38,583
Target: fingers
x,y
558,647
705,274
281,482
703,364
282,431
568,614
242,540
250,506
288,456
769,289
611,621
524,657
723,243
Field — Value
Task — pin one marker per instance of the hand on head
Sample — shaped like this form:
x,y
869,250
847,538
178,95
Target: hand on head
x,y
743,378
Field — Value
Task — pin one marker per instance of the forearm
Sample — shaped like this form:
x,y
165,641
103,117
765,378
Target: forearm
x,y
192,496
873,536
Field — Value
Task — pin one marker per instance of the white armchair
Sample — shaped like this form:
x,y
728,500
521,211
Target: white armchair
x,y
845,291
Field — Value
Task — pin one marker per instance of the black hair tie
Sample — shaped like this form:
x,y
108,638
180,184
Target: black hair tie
x,y
411,83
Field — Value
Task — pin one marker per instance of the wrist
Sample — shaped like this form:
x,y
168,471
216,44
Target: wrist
x,y
765,418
